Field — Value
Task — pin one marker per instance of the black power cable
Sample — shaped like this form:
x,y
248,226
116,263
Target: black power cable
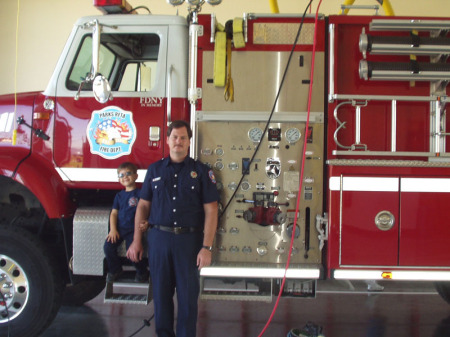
x,y
146,323
139,7
273,108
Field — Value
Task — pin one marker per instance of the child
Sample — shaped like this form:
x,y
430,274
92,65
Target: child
x,y
121,223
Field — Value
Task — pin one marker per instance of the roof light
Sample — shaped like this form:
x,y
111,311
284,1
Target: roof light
x,y
175,2
113,6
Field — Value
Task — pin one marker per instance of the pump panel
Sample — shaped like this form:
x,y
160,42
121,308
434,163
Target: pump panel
x,y
259,192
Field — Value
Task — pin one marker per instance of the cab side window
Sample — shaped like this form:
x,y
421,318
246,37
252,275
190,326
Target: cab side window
x,y
138,76
128,61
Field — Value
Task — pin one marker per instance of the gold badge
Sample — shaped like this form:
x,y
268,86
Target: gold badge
x,y
193,174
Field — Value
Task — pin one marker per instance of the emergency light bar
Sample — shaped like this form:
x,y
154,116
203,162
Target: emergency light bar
x,y
193,2
404,71
404,45
113,6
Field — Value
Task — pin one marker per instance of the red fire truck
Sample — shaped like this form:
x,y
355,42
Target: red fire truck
x,y
327,136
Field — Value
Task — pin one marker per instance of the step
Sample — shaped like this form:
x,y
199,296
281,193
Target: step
x,y
125,290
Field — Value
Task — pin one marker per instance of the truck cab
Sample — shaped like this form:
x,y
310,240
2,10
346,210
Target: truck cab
x,y
119,82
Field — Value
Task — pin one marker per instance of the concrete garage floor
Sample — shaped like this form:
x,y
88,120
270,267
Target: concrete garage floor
x,y
401,310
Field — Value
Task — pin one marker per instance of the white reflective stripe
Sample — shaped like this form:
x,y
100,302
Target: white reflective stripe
x,y
93,174
364,184
357,274
335,184
425,185
399,275
312,273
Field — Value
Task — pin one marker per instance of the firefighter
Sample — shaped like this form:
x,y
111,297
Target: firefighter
x,y
179,199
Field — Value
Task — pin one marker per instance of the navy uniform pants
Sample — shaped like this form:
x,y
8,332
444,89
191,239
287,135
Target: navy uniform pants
x,y
173,265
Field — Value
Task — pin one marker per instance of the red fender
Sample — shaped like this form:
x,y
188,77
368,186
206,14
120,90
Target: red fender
x,y
43,181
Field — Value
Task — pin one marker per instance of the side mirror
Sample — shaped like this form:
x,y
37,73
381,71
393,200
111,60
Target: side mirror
x,y
101,89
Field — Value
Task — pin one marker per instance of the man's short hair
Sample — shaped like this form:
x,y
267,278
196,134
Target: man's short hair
x,y
177,125
127,165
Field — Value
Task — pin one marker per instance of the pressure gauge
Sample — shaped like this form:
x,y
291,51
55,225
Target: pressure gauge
x,y
292,135
255,134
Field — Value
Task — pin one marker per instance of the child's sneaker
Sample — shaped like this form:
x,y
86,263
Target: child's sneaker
x,y
141,277
111,277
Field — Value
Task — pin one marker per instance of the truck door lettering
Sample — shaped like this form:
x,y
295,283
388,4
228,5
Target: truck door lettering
x,y
151,101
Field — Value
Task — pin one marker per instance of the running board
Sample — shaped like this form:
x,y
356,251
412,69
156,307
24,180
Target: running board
x,y
126,291
250,282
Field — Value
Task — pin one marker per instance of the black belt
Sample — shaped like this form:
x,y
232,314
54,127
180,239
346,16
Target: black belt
x,y
178,230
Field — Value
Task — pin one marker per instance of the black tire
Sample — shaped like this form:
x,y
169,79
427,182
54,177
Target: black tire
x,y
83,291
443,289
33,288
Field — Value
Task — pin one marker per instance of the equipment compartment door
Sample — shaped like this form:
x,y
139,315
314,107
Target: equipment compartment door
x,y
369,226
425,228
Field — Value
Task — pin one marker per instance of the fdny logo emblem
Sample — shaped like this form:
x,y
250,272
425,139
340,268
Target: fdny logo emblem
x,y
193,174
111,132
133,201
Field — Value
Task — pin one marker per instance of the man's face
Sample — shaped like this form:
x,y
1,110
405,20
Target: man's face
x,y
179,143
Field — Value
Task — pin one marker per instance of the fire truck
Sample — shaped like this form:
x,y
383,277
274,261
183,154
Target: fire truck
x,y
327,136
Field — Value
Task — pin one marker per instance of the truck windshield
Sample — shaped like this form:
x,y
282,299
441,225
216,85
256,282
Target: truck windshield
x,y
128,61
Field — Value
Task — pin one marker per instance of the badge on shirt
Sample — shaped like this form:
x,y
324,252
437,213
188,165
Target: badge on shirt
x,y
133,201
193,174
156,179
211,176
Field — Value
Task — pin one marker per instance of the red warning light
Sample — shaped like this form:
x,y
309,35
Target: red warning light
x,y
113,6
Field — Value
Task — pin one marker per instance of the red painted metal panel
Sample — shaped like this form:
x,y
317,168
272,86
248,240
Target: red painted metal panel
x,y
362,242
425,230
420,237
73,149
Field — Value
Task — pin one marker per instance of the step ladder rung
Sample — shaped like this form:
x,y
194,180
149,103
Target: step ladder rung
x,y
130,292
127,298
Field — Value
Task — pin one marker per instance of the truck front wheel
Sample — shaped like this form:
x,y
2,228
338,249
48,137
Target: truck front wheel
x,y
30,284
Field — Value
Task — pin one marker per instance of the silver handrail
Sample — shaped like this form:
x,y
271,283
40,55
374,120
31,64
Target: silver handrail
x,y
169,95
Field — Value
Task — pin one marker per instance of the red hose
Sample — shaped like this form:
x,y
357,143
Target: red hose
x,y
301,174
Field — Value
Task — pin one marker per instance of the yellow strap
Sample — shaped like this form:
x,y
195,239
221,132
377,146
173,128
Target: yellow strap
x,y
238,33
220,59
387,8
229,88
220,27
274,6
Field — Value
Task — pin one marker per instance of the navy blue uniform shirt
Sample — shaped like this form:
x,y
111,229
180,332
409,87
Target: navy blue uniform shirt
x,y
178,191
126,202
